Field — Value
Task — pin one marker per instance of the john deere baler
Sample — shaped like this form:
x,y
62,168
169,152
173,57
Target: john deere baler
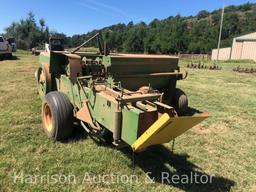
x,y
131,97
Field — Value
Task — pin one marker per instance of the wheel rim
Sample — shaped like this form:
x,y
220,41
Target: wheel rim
x,y
47,115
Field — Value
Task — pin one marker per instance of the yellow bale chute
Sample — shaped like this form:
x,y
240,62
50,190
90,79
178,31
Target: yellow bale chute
x,y
165,129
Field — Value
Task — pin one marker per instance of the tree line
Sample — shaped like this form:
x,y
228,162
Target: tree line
x,y
175,34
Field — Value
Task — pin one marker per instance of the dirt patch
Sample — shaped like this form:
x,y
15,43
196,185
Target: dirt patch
x,y
27,70
201,130
219,128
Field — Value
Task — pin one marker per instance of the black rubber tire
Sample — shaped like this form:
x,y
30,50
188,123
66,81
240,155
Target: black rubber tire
x,y
180,101
8,56
61,112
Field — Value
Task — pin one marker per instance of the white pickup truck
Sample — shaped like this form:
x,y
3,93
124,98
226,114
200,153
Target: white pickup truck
x,y
5,48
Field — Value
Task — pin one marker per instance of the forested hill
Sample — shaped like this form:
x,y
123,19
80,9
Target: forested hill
x,y
194,34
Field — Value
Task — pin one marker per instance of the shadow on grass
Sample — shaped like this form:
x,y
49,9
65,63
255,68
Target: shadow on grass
x,y
9,58
163,166
192,111
167,168
78,134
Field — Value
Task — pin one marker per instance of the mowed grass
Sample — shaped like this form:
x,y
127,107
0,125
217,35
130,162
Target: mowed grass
x,y
223,147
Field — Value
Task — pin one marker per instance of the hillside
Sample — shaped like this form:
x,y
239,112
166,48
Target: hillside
x,y
194,34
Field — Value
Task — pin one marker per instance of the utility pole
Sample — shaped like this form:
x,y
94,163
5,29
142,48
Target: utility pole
x,y
221,25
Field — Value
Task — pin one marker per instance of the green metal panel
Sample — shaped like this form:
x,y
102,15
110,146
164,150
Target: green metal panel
x,y
102,110
66,86
58,64
72,91
44,58
130,125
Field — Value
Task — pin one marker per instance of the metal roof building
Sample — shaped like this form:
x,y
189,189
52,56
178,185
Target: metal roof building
x,y
244,47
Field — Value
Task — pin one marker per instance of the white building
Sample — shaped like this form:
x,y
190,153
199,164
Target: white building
x,y
244,47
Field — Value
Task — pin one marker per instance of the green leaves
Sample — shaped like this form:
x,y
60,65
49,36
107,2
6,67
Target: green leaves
x,y
28,33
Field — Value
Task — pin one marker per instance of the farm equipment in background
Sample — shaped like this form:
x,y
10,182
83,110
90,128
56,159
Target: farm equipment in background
x,y
244,69
46,47
5,48
12,42
200,65
132,97
36,51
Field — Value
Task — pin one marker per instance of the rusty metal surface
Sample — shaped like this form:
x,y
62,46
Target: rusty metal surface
x,y
143,56
84,114
75,67
176,73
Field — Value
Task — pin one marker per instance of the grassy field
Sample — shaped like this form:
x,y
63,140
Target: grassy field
x,y
223,147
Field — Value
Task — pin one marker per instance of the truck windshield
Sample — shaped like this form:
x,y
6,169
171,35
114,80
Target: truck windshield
x,y
1,39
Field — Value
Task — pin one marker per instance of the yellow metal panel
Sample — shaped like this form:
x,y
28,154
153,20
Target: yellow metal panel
x,y
165,129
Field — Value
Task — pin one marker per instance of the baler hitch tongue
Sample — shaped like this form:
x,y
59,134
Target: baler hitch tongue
x,y
165,129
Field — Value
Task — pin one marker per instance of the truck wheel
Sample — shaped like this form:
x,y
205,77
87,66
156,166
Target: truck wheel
x,y
180,101
43,80
8,56
57,115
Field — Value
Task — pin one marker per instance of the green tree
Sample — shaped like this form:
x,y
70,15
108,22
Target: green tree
x,y
27,33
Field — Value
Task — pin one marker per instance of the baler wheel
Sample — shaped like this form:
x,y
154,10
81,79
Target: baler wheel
x,y
57,115
180,101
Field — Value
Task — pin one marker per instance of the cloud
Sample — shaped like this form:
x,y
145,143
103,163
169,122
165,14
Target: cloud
x,y
94,8
115,9
105,8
